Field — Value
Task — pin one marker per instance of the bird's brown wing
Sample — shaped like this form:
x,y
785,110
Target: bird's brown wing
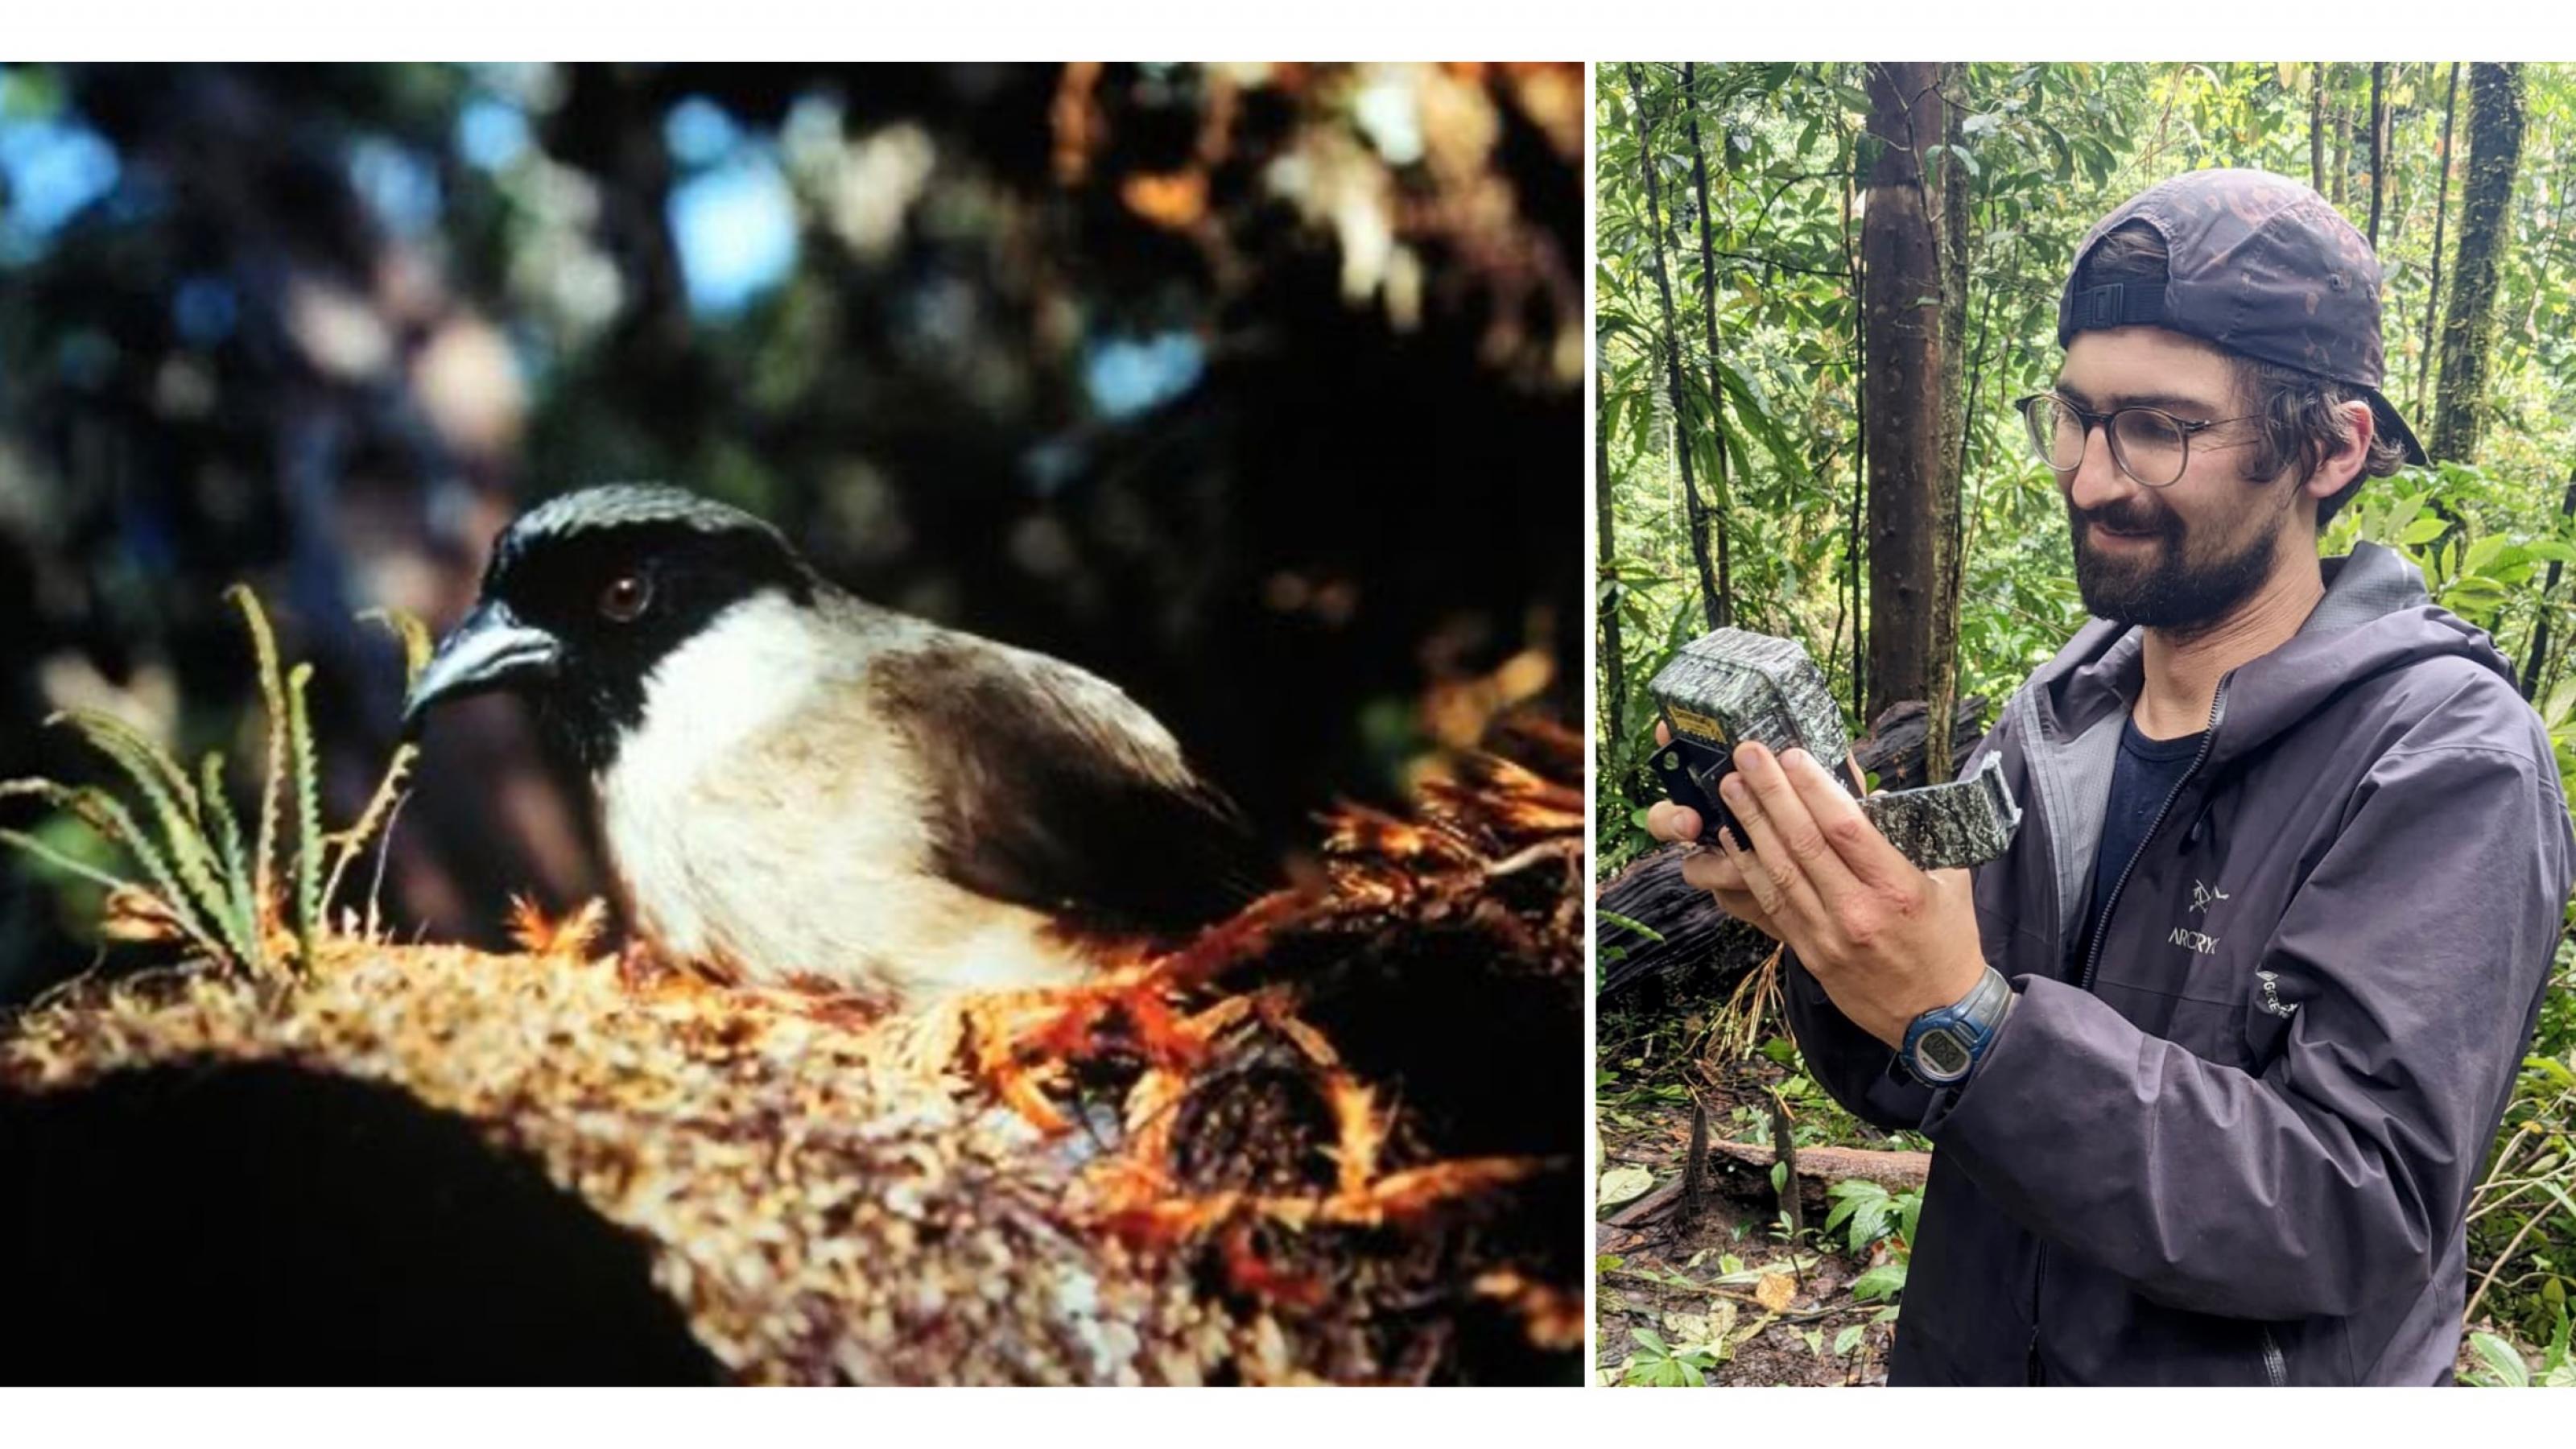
x,y
1050,788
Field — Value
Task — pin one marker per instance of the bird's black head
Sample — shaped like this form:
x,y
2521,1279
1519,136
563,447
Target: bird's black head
x,y
586,593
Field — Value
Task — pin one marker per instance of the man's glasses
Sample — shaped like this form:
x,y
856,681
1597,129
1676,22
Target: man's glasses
x,y
2150,445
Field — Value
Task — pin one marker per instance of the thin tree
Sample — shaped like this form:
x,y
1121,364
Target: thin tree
x,y
2317,128
2378,144
1708,315
2495,152
2441,208
2548,597
2339,165
1614,660
1694,512
1902,331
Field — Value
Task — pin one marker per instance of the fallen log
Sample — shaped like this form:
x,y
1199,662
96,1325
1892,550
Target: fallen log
x,y
1895,1171
1746,1164
1687,927
1892,753
1688,930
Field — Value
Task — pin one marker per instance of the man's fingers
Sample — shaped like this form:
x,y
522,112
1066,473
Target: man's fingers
x,y
1799,843
1763,856
1769,895
1846,831
1710,870
1668,821
1663,734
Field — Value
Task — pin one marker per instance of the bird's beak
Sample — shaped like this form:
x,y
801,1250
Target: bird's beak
x,y
490,650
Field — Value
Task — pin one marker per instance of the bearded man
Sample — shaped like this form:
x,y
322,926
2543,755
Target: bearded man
x,y
2213,1055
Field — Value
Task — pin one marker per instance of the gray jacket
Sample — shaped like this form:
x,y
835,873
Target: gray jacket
x,y
2237,1145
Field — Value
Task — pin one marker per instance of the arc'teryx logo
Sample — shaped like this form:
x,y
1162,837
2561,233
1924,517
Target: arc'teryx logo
x,y
2202,897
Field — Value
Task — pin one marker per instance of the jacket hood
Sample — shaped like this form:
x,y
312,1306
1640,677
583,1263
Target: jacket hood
x,y
2375,618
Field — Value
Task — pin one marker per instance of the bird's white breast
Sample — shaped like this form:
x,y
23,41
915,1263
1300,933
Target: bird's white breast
x,y
762,818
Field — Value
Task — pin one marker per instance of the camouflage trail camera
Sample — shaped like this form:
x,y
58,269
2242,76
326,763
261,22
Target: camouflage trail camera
x,y
1734,685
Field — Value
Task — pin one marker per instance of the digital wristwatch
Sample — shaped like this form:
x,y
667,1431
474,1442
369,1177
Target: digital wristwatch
x,y
1943,1044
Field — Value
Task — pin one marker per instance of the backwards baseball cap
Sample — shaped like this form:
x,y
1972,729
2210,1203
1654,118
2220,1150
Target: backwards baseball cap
x,y
2259,265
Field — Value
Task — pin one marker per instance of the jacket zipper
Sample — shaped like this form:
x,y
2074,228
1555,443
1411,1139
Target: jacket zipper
x,y
2084,982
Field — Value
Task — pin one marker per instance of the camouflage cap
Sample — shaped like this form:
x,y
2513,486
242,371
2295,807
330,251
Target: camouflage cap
x,y
2258,264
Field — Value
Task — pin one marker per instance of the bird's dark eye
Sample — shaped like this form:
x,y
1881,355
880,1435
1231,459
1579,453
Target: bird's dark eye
x,y
625,598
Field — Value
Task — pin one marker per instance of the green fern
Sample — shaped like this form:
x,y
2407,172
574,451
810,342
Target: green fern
x,y
308,817
226,831
201,884
272,693
110,821
414,638
175,806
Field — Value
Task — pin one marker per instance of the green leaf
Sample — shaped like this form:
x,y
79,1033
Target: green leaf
x,y
1868,1224
1619,922
307,797
174,804
1624,1185
1884,1281
2503,1359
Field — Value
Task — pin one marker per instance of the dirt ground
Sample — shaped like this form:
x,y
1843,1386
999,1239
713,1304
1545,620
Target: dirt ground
x,y
1704,1284
1726,1280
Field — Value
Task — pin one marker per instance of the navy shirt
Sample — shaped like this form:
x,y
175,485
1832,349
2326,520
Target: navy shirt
x,y
2141,779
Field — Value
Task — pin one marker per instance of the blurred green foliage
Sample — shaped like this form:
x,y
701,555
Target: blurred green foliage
x,y
1253,388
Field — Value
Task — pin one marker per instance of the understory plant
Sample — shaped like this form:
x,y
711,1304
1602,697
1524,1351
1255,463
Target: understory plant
x,y
257,904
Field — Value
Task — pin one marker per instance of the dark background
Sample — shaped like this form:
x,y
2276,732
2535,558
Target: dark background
x,y
1254,389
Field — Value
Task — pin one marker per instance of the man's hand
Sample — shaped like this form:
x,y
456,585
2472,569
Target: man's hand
x,y
1710,870
1885,939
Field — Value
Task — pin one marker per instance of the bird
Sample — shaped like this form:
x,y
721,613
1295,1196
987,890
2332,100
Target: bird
x,y
796,785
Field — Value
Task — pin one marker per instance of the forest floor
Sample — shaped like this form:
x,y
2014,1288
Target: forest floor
x,y
1725,1293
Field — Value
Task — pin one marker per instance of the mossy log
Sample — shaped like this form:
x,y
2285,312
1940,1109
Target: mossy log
x,y
1334,1139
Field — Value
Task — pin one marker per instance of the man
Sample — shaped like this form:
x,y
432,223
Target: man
x,y
2213,1055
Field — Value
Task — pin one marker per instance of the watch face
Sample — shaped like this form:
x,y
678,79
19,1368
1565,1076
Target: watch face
x,y
1940,1055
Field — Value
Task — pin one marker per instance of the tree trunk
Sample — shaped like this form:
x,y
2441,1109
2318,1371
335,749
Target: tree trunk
x,y
2378,144
1614,660
2495,150
1708,315
1694,512
1902,351
1854,547
1941,659
2441,215
2548,592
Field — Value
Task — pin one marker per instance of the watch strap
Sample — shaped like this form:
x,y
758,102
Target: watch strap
x,y
1969,1025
